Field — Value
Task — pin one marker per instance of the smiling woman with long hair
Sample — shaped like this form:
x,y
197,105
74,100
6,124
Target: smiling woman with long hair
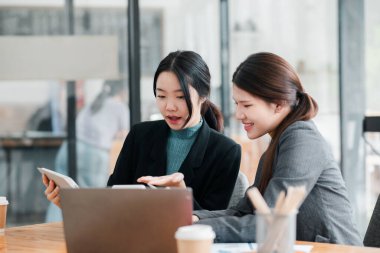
x,y
270,100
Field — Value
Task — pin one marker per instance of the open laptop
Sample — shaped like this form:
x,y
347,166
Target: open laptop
x,y
124,220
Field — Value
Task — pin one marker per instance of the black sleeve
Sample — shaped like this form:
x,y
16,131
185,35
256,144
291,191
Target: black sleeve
x,y
220,190
196,205
124,169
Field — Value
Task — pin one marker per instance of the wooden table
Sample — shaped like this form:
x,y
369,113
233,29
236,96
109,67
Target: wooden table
x,y
48,237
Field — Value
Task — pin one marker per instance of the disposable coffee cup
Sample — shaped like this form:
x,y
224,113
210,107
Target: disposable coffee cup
x,y
3,213
194,239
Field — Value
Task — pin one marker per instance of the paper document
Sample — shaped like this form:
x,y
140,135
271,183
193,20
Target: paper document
x,y
249,247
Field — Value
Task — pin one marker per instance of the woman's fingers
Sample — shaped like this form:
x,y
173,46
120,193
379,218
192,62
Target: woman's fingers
x,y
45,180
175,179
154,180
57,201
52,193
50,187
145,179
164,180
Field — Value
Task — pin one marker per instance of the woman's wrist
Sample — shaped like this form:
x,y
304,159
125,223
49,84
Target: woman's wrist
x,y
195,218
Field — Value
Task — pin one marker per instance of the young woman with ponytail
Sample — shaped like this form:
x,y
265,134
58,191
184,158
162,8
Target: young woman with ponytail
x,y
186,148
270,100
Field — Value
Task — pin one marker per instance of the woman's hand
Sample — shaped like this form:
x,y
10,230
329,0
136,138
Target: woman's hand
x,y
195,218
173,180
52,191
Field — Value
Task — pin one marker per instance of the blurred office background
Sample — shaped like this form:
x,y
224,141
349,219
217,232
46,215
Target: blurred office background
x,y
333,44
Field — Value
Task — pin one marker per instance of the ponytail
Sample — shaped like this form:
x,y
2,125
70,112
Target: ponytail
x,y
304,109
212,115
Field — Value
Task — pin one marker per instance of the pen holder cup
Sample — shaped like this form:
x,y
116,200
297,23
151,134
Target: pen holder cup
x,y
276,232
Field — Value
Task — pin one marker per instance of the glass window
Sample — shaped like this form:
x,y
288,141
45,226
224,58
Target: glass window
x,y
30,133
35,111
178,25
372,61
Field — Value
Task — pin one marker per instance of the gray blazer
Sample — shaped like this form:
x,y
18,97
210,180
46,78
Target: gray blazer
x,y
372,236
303,158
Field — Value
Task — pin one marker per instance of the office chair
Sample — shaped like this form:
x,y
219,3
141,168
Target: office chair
x,y
241,186
372,236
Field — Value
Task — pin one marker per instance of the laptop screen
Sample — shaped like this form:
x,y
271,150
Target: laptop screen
x,y
124,220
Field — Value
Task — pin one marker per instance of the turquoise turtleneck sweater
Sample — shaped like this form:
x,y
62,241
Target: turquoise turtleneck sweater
x,y
179,145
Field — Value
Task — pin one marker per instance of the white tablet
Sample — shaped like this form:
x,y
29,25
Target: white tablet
x,y
59,179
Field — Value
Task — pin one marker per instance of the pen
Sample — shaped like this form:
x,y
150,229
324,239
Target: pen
x,y
151,186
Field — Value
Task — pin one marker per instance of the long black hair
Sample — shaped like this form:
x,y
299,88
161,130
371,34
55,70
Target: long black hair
x,y
191,69
274,80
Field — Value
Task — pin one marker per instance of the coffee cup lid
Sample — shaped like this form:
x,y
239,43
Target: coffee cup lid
x,y
3,201
195,232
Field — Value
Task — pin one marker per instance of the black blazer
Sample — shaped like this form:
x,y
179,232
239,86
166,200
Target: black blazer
x,y
210,168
